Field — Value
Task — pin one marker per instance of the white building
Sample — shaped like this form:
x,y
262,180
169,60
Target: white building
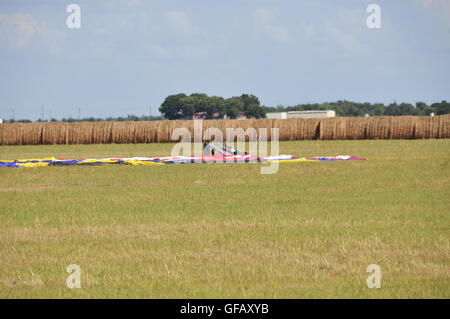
x,y
316,114
277,115
1,120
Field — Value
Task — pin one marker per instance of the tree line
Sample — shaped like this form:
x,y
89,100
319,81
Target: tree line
x,y
132,118
182,106
348,108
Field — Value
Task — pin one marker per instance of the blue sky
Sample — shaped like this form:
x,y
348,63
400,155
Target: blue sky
x,y
129,55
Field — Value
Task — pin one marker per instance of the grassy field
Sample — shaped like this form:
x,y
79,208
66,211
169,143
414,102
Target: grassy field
x,y
225,230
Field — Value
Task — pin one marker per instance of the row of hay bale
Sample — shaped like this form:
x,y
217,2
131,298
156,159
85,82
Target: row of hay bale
x,y
339,128
385,127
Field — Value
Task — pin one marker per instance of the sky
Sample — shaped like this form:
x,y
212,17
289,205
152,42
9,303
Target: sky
x,y
129,55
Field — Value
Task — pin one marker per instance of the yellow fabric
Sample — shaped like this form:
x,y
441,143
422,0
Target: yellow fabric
x,y
41,163
33,159
134,162
295,160
32,164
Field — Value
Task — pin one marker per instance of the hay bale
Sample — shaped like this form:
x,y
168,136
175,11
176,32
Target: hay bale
x,y
340,128
444,126
332,128
12,134
355,128
426,127
378,127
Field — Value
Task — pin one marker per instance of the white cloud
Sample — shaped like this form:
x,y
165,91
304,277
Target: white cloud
x,y
159,51
263,20
310,31
185,52
278,33
192,52
263,16
19,30
444,3
181,26
349,30
442,7
122,3
23,26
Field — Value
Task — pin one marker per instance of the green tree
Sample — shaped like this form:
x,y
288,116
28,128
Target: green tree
x,y
392,109
255,111
441,108
423,109
377,109
216,105
172,107
233,106
249,99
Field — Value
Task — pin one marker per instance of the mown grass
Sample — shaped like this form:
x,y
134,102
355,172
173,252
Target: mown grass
x,y
225,230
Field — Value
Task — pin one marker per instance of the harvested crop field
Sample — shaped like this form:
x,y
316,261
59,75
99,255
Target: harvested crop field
x,y
340,128
225,230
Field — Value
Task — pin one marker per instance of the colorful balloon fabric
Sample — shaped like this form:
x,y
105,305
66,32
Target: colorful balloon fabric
x,y
207,159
